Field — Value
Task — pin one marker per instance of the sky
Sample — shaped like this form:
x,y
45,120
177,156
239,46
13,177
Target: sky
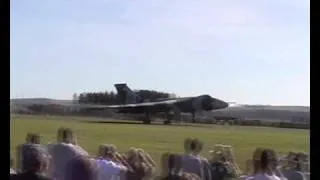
x,y
244,51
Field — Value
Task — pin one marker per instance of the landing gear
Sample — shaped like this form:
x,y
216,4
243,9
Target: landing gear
x,y
147,119
169,118
173,113
193,120
166,122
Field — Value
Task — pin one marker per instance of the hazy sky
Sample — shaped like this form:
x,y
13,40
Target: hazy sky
x,y
247,51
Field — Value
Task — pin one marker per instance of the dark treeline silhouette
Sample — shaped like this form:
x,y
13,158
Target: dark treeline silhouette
x,y
99,98
110,97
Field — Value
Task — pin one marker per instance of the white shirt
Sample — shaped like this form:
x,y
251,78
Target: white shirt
x,y
62,154
12,171
109,170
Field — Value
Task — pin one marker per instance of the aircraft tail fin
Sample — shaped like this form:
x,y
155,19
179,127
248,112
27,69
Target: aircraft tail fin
x,y
126,95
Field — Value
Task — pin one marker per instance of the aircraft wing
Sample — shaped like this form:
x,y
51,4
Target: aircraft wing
x,y
161,106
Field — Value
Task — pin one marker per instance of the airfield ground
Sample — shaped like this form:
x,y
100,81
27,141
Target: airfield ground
x,y
157,139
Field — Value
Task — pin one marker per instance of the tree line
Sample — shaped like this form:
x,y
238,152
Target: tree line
x,y
110,97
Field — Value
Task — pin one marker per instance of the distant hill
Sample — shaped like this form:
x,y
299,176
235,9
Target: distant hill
x,y
43,101
293,114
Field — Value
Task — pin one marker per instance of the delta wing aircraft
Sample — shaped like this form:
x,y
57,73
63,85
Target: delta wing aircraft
x,y
173,107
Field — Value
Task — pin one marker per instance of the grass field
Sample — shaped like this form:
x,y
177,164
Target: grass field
x,y
157,139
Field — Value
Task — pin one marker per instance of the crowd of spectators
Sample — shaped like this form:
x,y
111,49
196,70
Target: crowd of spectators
x,y
67,160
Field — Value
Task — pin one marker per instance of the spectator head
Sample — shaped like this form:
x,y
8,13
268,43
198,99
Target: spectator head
x,y
256,160
107,151
67,135
299,161
141,156
59,134
133,155
217,155
303,156
80,168
268,161
291,155
37,160
113,148
229,153
194,145
145,157
305,161
33,138
101,150
274,161
140,150
187,143
296,164
170,164
198,144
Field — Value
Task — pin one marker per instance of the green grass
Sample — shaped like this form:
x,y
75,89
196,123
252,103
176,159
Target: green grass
x,y
157,139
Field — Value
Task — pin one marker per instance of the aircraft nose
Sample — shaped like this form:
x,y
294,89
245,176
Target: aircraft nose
x,y
219,104
224,104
